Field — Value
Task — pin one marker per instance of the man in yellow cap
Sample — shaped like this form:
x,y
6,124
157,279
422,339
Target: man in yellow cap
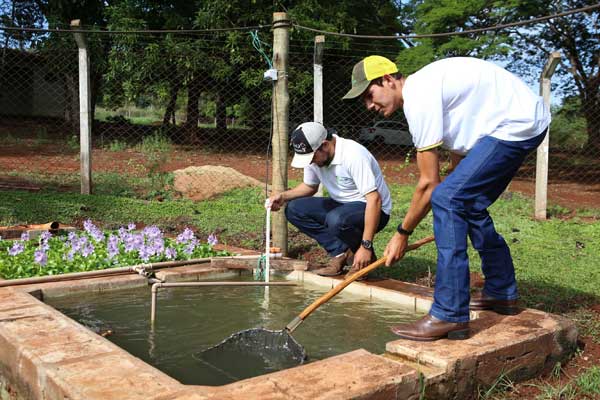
x,y
489,120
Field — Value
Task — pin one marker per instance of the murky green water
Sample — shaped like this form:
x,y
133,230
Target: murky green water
x,y
190,320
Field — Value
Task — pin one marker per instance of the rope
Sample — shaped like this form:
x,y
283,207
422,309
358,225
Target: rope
x,y
257,44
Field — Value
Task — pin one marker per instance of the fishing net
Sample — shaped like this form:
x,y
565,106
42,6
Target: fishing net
x,y
253,352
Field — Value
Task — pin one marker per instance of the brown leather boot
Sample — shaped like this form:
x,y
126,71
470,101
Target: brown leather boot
x,y
481,301
335,266
430,328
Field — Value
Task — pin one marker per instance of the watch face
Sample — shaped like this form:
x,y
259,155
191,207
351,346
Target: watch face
x,y
367,244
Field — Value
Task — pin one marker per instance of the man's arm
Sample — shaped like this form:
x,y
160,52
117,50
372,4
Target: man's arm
x,y
302,190
372,214
429,178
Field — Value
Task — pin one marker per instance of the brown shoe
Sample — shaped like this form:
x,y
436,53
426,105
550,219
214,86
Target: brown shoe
x,y
481,301
430,328
335,265
353,270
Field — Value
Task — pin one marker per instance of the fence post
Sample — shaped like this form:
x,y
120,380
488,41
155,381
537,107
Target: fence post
x,y
318,87
85,112
280,106
541,168
318,78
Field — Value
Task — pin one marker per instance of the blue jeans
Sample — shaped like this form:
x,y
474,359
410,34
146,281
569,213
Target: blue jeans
x,y
336,226
459,206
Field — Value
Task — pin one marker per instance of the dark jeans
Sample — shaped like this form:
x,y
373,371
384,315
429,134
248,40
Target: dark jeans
x,y
336,226
459,207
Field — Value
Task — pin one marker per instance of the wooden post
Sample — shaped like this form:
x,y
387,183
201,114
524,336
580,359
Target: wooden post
x,y
318,78
541,168
85,111
280,105
318,88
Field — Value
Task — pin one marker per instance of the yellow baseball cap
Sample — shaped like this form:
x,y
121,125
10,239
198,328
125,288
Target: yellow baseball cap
x,y
365,71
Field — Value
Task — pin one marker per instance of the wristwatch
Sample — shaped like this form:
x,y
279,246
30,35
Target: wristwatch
x,y
367,244
403,231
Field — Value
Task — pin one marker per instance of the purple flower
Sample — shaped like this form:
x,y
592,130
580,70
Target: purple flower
x,y
170,253
113,246
131,226
157,245
17,248
40,257
69,256
133,242
152,232
122,232
45,236
212,239
189,249
145,252
185,236
87,249
93,230
25,236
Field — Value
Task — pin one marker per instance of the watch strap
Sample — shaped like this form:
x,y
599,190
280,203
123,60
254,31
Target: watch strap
x,y
403,231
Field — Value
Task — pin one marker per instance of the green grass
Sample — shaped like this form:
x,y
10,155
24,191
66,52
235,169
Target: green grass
x,y
585,386
555,260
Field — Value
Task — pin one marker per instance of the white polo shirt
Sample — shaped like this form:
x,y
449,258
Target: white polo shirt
x,y
352,174
454,102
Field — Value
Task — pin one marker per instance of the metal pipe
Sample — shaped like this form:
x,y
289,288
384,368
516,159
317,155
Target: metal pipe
x,y
104,272
158,285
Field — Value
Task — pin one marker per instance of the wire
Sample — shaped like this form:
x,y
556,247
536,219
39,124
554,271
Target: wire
x,y
257,44
430,35
151,31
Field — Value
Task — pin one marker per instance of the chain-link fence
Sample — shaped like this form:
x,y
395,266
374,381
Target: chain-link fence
x,y
191,115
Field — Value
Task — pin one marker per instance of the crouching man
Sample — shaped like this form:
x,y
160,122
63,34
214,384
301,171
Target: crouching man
x,y
359,202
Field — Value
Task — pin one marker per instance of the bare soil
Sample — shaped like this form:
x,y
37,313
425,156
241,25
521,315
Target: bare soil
x,y
55,159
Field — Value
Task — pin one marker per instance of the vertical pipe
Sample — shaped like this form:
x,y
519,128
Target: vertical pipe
x,y
541,169
153,304
268,247
85,112
280,122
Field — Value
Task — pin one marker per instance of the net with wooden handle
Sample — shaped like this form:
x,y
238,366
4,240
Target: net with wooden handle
x,y
340,286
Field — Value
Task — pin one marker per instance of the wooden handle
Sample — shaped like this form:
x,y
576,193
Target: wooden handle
x,y
340,286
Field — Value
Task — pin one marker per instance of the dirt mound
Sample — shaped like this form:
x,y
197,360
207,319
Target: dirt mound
x,y
206,181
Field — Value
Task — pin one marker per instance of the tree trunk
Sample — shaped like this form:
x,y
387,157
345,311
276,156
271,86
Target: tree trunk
x,y
170,110
591,112
192,114
72,102
220,113
95,91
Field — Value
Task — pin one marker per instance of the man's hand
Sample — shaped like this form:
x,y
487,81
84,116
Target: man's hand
x,y
362,258
395,249
276,201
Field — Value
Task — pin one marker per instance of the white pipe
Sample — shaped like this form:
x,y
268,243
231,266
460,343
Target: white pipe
x,y
268,249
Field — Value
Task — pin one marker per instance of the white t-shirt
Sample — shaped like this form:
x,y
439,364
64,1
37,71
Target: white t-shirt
x,y
352,174
456,101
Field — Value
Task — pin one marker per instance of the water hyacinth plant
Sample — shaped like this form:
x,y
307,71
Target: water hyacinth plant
x,y
94,249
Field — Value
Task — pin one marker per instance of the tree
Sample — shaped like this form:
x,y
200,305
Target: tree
x,y
523,49
577,38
